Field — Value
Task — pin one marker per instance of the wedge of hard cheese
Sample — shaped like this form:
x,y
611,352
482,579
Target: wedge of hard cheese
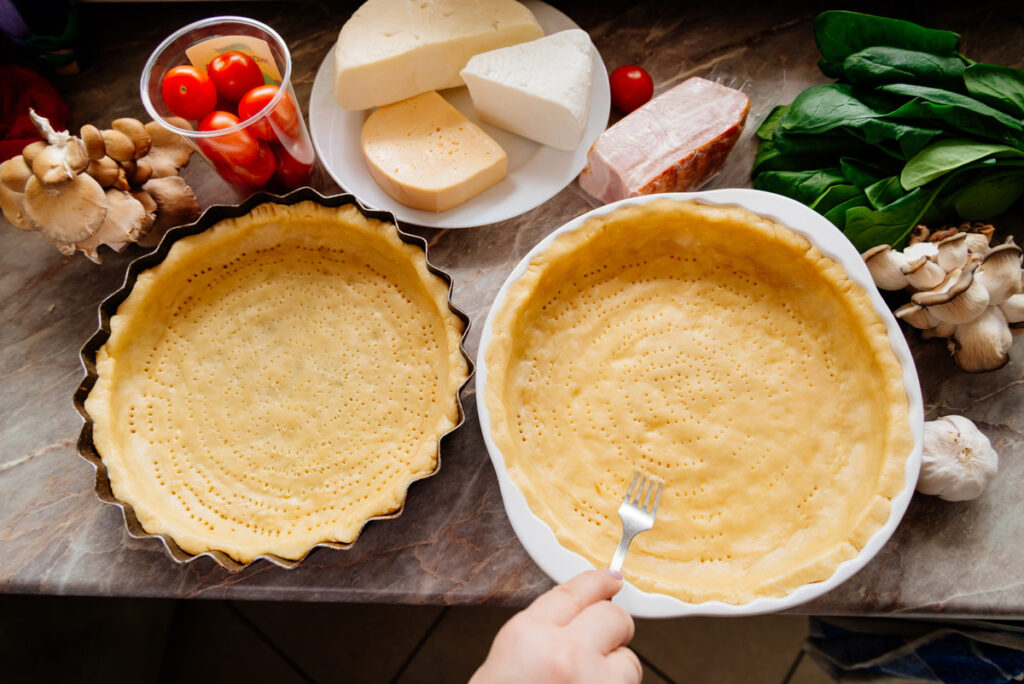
x,y
424,153
673,143
390,50
540,89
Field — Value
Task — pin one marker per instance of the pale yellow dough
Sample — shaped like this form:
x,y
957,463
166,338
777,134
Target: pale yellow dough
x,y
276,381
722,354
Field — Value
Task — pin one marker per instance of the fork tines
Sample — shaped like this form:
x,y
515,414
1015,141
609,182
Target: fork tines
x,y
637,494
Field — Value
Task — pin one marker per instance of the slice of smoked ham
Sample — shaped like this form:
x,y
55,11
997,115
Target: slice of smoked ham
x,y
673,143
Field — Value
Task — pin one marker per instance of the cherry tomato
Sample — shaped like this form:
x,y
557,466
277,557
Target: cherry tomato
x,y
253,175
188,92
234,73
291,172
283,118
238,148
631,87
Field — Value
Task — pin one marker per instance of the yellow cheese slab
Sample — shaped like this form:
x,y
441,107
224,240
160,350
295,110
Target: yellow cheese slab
x,y
722,354
425,154
276,381
390,50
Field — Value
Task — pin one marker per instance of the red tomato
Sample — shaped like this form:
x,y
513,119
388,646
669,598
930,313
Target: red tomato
x,y
291,173
188,92
283,118
631,87
253,175
234,73
238,148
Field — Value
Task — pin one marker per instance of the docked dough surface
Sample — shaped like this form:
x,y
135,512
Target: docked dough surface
x,y
276,381
722,354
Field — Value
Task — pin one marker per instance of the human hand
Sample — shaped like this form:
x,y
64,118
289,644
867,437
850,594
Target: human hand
x,y
572,634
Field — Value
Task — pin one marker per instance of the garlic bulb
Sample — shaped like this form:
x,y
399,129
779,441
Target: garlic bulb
x,y
957,460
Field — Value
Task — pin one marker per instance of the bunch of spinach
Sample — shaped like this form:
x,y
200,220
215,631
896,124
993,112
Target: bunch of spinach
x,y
912,132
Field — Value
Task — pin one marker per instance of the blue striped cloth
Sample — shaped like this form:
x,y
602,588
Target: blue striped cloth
x,y
947,652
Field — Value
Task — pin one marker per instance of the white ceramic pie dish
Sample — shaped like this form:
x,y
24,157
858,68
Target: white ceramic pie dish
x,y
561,564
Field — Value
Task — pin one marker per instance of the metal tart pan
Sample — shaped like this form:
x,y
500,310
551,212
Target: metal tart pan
x,y
109,306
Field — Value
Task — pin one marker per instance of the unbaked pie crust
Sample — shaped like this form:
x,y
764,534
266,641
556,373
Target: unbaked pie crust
x,y
276,381
722,354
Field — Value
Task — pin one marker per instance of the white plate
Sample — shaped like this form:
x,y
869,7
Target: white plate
x,y
561,564
536,172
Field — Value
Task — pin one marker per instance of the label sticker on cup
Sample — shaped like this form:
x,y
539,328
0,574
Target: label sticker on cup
x,y
201,54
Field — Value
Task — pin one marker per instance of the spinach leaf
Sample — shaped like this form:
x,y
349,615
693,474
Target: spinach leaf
x,y
891,225
767,129
825,108
944,156
839,34
988,196
880,65
803,186
834,196
861,173
884,192
837,215
1001,87
958,111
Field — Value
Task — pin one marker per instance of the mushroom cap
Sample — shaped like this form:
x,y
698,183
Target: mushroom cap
x,y
983,344
169,151
118,145
125,221
136,132
1000,272
14,173
92,138
67,213
12,204
885,266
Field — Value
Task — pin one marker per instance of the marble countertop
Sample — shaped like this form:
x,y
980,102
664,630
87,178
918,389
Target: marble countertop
x,y
454,544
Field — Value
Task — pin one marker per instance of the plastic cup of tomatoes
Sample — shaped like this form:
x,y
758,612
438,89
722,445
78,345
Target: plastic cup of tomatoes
x,y
224,84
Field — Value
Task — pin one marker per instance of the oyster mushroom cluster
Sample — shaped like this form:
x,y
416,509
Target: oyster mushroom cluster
x,y
111,187
962,289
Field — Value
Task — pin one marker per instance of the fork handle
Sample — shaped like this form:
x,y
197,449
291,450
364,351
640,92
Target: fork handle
x,y
620,553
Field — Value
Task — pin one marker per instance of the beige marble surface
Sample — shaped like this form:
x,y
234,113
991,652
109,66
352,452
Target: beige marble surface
x,y
454,544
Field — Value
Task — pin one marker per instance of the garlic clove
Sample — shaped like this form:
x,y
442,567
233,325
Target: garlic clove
x,y
957,460
984,343
923,273
1000,272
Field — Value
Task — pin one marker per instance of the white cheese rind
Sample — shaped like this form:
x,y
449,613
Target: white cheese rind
x,y
390,50
425,154
539,90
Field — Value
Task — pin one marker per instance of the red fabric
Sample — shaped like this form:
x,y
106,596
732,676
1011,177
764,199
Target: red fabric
x,y
20,89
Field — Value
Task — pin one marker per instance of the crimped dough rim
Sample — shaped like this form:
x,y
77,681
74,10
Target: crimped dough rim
x,y
647,225
304,226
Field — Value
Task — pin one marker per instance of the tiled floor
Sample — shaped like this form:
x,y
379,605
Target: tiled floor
x,y
103,640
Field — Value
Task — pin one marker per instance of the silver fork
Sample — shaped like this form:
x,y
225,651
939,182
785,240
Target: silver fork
x,y
637,514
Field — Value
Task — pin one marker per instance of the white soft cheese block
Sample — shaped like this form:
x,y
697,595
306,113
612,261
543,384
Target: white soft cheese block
x,y
390,50
424,153
540,89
